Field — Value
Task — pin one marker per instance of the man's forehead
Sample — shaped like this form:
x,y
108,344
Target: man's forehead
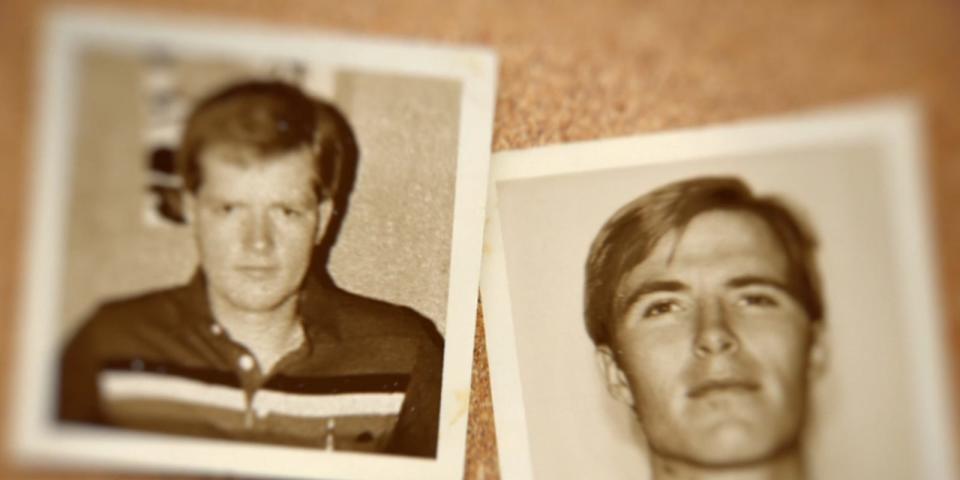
x,y
246,172
725,242
250,155
720,232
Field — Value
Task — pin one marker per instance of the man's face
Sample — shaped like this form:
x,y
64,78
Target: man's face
x,y
712,349
255,223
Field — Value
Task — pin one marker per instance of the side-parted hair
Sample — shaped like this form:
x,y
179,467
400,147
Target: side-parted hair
x,y
629,236
272,118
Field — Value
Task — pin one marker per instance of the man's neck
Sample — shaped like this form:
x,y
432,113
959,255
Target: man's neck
x,y
785,466
269,335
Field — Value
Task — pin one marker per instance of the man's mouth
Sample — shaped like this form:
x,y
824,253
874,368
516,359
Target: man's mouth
x,y
257,271
712,386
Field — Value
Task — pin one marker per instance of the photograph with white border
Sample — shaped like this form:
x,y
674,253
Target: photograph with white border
x,y
753,300
252,250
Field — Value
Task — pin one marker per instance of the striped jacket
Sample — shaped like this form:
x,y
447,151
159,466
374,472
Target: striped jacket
x,y
367,378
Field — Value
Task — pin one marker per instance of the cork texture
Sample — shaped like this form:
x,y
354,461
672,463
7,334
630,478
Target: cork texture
x,y
573,71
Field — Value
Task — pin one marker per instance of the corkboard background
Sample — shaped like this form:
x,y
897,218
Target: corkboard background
x,y
578,70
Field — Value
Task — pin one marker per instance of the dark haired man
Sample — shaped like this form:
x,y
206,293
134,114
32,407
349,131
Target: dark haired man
x,y
704,303
255,347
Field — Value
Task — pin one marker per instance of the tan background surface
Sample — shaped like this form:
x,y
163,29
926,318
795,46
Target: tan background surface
x,y
575,70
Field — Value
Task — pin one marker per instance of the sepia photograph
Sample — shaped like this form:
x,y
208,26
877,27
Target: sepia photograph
x,y
754,300
253,251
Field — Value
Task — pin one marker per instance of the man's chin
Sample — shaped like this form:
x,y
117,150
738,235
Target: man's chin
x,y
729,443
733,449
256,301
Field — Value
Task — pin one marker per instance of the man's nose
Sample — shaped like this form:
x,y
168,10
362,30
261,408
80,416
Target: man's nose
x,y
714,335
258,233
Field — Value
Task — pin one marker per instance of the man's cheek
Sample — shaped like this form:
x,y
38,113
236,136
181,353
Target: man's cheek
x,y
653,400
222,238
650,376
780,347
783,367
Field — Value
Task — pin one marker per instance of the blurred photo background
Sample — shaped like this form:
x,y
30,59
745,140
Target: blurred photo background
x,y
569,71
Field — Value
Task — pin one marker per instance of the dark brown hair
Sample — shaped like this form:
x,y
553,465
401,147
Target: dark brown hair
x,y
628,237
271,117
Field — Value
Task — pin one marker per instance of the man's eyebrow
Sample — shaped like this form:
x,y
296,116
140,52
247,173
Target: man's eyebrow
x,y
226,199
293,202
213,197
751,280
654,286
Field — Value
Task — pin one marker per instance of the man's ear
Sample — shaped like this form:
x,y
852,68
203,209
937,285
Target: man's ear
x,y
613,376
324,214
818,354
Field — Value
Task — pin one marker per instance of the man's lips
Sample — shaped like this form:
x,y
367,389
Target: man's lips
x,y
257,270
711,386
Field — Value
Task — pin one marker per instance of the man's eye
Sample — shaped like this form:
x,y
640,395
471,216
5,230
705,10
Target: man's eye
x,y
225,208
662,307
290,212
757,300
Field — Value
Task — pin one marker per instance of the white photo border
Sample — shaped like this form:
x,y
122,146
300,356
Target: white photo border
x,y
34,437
893,124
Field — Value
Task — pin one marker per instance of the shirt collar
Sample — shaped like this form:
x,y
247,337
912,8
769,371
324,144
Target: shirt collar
x,y
318,308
